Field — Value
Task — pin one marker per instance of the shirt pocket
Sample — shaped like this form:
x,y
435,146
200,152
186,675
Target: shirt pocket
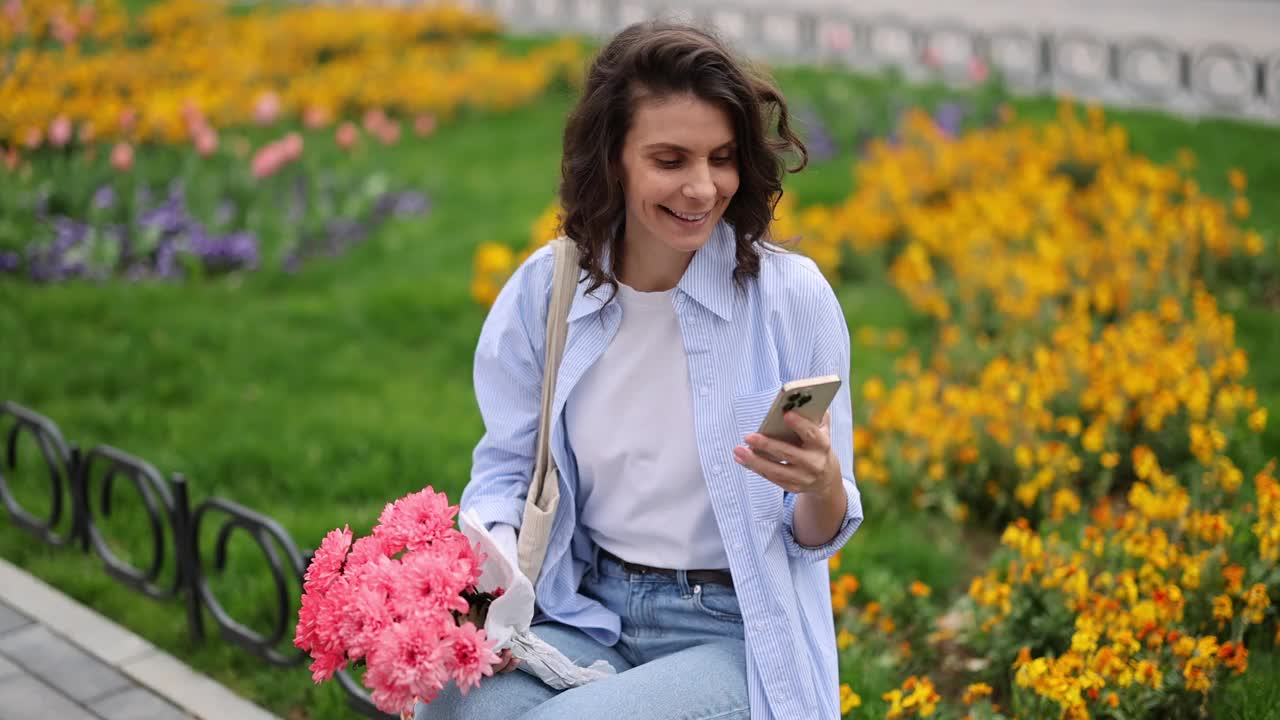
x,y
749,410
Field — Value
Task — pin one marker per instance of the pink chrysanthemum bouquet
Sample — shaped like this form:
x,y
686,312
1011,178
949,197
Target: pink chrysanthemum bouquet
x,y
402,600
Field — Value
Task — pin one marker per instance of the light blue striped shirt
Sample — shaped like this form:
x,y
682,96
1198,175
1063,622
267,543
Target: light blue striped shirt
x,y
742,344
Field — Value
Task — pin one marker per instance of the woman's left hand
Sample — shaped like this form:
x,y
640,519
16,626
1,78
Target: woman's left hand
x,y
808,467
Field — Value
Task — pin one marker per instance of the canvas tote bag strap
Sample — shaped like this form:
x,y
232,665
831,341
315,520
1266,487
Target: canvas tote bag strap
x,y
544,489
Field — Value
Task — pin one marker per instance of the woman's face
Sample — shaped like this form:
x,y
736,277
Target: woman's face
x,y
680,171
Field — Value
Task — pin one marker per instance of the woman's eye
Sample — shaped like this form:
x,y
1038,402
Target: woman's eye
x,y
723,160
668,163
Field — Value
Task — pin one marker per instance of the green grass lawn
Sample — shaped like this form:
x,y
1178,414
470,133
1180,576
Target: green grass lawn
x,y
318,397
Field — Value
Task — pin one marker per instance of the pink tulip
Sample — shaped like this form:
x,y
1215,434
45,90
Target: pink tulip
x,y
424,124
267,160
316,117
374,118
389,133
839,39
60,131
128,119
978,70
64,31
206,141
930,58
11,159
33,138
347,135
291,147
267,109
122,157
13,10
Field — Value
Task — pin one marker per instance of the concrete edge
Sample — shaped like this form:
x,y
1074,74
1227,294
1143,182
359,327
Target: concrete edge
x,y
149,666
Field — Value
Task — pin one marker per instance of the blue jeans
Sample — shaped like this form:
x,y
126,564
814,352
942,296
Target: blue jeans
x,y
681,656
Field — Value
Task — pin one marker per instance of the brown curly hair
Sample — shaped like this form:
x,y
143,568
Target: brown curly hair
x,y
659,58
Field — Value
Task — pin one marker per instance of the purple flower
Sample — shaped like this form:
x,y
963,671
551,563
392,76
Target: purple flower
x,y
9,261
167,218
104,198
822,146
402,204
950,118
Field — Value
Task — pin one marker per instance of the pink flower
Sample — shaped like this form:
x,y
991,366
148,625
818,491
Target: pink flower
x,y
389,133
930,58
365,615
427,585
368,549
267,108
33,138
326,564
424,124
11,159
206,141
978,70
267,160
324,665
468,656
404,664
122,157
128,119
291,147
13,11
64,31
415,520
347,135
60,131
839,39
374,118
316,117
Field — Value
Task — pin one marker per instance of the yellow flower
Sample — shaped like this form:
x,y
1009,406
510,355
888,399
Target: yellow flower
x,y
1258,420
844,639
848,699
1236,178
976,691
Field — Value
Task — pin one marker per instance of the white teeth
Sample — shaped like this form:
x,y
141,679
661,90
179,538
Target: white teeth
x,y
690,218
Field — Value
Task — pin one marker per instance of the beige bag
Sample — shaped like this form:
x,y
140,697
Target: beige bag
x,y
544,490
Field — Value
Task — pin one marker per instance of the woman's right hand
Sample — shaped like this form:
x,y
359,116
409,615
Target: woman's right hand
x,y
506,662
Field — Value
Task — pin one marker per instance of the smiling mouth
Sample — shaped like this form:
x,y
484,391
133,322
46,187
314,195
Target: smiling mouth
x,y
693,218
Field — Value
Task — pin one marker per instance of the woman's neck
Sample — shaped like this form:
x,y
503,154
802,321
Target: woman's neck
x,y
651,266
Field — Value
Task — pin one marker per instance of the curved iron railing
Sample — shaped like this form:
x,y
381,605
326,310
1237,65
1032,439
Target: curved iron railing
x,y
82,485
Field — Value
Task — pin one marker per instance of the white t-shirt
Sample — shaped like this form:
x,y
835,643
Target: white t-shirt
x,y
630,423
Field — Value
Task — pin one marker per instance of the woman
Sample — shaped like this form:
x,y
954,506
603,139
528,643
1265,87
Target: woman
x,y
693,564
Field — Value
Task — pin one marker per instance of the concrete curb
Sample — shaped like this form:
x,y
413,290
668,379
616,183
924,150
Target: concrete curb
x,y
154,669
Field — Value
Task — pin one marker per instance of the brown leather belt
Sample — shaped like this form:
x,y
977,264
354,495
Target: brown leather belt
x,y
696,577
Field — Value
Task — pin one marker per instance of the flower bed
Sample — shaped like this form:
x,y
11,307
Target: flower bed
x,y
1082,389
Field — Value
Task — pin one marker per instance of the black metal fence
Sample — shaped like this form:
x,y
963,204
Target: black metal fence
x,y
81,486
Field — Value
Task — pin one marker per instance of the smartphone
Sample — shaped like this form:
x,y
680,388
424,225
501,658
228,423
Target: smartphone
x,y
810,397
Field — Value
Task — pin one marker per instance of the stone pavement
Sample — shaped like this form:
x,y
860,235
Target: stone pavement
x,y
61,661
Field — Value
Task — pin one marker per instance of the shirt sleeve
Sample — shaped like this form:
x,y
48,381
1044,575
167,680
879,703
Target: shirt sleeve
x,y
831,357
508,384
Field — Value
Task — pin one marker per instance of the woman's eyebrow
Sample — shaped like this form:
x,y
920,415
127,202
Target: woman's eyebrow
x,y
681,148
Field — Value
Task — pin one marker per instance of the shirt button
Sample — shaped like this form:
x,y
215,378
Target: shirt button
x,y
718,469
704,391
760,626
737,546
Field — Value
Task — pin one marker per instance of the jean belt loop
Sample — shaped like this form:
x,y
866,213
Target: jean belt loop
x,y
682,579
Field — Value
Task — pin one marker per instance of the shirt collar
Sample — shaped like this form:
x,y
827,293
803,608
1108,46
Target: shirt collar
x,y
708,280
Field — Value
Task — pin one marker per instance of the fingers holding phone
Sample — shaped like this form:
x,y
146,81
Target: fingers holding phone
x,y
792,448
